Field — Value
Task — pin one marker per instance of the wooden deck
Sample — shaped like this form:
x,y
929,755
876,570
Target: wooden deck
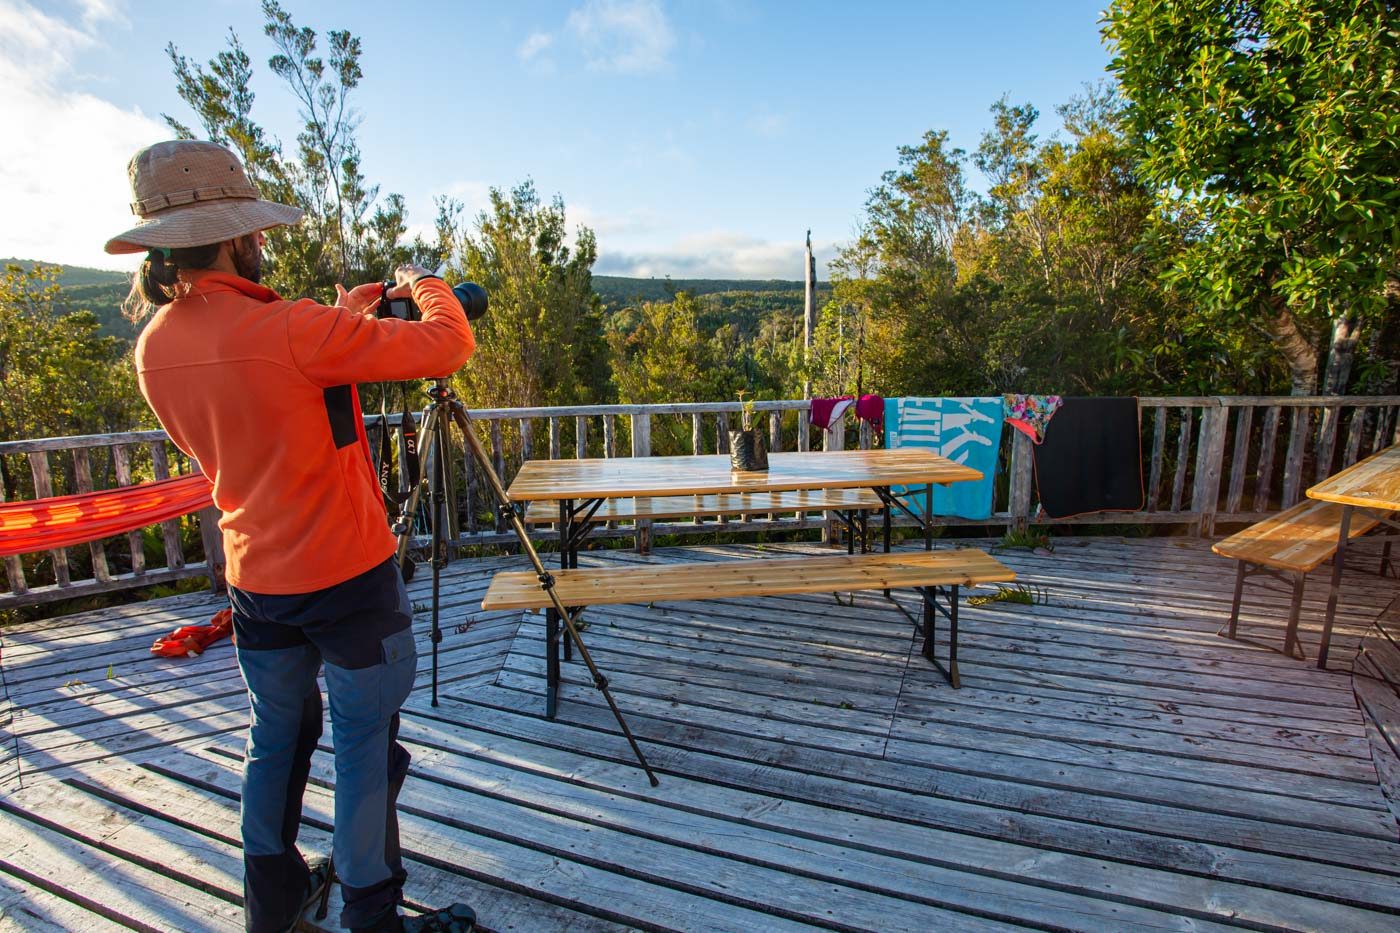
x,y
1109,763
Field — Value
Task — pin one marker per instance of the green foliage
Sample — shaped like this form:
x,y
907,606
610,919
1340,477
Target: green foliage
x,y
542,342
349,233
1270,132
58,374
1049,282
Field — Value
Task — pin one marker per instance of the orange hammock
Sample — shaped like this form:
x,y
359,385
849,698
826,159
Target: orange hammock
x,y
62,521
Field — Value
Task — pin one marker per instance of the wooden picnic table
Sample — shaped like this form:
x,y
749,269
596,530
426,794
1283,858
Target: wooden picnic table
x,y
582,486
1371,487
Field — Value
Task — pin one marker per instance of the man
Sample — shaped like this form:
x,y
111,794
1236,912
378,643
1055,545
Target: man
x,y
261,391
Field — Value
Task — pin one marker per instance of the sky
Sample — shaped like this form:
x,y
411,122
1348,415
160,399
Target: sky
x,y
696,138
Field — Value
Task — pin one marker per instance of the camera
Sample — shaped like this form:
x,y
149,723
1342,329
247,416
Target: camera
x,y
471,296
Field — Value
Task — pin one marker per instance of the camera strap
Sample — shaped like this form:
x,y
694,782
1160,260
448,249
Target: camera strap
x,y
409,466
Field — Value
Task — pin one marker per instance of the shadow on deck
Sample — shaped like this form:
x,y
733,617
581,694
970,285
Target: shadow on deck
x,y
1109,763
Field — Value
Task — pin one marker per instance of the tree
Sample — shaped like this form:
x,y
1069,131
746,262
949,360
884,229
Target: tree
x,y
541,343
349,234
1275,128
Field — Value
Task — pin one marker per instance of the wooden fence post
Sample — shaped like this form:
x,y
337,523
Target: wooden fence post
x,y
1210,455
213,541
641,447
1299,418
1021,467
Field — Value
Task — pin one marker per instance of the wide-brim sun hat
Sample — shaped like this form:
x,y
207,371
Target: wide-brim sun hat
x,y
192,193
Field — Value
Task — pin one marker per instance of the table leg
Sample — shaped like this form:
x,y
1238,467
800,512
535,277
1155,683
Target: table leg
x,y
888,517
569,561
928,517
1338,562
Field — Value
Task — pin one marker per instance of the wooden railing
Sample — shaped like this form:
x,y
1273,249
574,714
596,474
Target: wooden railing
x,y
1206,461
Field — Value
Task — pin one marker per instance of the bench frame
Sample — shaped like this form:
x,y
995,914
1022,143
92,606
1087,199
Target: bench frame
x,y
936,600
1297,579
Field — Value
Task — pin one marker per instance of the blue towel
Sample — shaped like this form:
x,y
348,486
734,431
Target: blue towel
x,y
966,431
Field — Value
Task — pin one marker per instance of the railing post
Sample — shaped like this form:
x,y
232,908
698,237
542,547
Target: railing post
x,y
1210,457
641,447
213,541
174,553
1022,464
1299,418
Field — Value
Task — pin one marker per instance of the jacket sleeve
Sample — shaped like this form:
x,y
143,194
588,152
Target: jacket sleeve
x,y
334,346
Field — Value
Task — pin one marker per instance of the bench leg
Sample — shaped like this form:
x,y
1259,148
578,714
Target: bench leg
x,y
1291,645
953,638
931,628
1386,563
551,662
887,517
1239,595
850,532
930,624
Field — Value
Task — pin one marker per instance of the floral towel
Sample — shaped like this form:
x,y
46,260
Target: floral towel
x,y
1030,414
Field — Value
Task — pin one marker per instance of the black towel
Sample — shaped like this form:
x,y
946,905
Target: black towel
x,y
1091,460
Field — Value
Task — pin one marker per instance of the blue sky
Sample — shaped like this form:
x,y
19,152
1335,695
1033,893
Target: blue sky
x,y
696,137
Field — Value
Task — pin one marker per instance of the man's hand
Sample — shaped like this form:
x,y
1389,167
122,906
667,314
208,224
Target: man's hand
x,y
362,299
405,275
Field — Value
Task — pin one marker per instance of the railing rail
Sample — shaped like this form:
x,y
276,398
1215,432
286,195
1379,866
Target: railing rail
x,y
1207,460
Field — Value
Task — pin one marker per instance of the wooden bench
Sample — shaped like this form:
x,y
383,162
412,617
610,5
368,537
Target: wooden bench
x,y
845,502
930,573
544,511
1288,546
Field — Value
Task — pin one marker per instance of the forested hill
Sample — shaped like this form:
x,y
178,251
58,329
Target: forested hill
x,y
619,291
741,302
100,291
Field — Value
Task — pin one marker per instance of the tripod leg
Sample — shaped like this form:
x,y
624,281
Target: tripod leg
x,y
438,500
459,415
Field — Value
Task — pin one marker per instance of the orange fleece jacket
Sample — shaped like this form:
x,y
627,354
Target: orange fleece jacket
x,y
260,390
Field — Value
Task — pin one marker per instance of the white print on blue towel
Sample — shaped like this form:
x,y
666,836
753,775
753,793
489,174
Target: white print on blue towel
x,y
946,425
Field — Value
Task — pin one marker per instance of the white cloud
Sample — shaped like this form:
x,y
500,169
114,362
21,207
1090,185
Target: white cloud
x,y
534,44
717,255
97,12
627,36
63,177
769,125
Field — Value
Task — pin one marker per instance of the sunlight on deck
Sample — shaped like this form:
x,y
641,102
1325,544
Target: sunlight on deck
x,y
1109,762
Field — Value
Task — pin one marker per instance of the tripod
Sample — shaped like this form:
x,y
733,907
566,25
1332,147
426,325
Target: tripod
x,y
444,410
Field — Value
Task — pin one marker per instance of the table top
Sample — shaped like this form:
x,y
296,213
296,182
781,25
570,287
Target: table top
x,y
706,475
1374,483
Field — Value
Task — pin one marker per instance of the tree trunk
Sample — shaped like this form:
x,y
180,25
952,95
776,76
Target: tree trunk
x,y
1346,332
1296,349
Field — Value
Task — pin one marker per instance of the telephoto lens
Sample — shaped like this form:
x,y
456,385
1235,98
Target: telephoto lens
x,y
473,299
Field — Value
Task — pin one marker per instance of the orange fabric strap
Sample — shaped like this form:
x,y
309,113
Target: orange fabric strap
x,y
62,521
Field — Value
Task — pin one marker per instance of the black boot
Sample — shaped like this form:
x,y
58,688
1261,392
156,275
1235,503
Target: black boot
x,y
459,918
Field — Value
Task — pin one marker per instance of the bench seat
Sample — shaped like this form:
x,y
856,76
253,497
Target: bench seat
x,y
546,511
1297,539
725,579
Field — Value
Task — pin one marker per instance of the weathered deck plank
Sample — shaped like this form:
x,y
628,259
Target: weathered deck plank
x,y
1109,763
